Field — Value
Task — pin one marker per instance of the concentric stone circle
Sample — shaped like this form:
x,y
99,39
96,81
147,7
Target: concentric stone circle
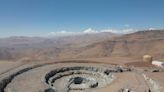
x,y
67,79
54,77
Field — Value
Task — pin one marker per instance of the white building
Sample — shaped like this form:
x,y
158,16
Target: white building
x,y
158,63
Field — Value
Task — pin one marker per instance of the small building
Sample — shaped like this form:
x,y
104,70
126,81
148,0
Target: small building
x,y
147,58
158,63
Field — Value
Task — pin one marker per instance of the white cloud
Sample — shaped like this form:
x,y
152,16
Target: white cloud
x,y
130,30
151,28
62,33
90,30
66,33
110,30
120,31
93,31
123,31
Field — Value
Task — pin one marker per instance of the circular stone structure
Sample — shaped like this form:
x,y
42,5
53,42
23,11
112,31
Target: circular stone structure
x,y
74,76
78,78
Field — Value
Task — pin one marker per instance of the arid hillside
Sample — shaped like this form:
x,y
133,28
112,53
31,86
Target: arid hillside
x,y
84,46
98,65
130,45
32,48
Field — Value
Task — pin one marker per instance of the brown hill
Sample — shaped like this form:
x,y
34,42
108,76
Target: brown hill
x,y
84,46
37,48
130,45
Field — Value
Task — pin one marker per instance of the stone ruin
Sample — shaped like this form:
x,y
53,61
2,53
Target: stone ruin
x,y
79,78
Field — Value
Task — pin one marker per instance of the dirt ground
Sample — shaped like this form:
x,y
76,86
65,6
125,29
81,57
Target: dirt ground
x,y
33,79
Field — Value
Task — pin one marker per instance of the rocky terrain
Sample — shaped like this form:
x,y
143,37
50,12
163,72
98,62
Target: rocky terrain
x,y
85,63
81,76
41,48
83,46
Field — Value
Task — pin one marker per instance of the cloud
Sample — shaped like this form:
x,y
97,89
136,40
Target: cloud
x,y
90,30
119,31
62,33
110,30
130,30
152,28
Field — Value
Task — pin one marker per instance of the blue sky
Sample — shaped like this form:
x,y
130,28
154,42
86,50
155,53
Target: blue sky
x,y
40,17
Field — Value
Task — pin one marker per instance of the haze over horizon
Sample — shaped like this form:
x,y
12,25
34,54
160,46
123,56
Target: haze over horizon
x,y
44,18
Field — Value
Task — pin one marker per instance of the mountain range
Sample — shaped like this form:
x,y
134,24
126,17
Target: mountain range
x,y
96,45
